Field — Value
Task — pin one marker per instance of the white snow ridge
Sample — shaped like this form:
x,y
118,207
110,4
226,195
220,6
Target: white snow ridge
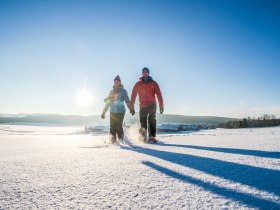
x,y
212,169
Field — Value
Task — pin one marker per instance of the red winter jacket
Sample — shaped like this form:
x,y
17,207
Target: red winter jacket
x,y
146,91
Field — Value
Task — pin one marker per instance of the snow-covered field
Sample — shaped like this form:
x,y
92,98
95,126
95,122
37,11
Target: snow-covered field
x,y
51,168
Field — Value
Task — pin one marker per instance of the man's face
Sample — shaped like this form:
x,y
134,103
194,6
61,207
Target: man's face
x,y
145,73
117,82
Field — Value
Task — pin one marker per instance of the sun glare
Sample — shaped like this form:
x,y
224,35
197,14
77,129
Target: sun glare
x,y
84,98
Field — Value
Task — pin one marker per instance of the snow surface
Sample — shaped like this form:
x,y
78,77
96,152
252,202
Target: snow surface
x,y
50,168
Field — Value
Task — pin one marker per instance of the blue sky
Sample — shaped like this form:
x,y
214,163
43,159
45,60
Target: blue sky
x,y
209,57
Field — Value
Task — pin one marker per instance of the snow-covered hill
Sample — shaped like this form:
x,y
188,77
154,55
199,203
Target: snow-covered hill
x,y
212,169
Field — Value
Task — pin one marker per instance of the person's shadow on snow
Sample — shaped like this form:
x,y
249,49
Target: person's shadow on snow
x,y
244,198
261,178
257,153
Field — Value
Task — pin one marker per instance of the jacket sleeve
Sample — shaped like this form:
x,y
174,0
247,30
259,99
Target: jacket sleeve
x,y
108,102
106,107
134,95
159,95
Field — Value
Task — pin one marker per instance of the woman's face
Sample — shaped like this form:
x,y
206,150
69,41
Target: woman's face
x,y
117,82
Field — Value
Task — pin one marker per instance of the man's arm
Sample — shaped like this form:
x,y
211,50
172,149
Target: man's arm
x,y
134,95
159,95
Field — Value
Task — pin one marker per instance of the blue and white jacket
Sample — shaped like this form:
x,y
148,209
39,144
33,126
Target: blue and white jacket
x,y
116,99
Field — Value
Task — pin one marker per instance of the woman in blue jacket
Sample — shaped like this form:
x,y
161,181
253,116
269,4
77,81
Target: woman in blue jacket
x,y
117,96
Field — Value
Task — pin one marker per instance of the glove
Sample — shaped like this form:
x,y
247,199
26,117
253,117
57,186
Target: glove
x,y
103,115
161,110
132,111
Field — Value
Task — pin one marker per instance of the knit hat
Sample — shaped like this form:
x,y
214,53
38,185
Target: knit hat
x,y
146,69
117,78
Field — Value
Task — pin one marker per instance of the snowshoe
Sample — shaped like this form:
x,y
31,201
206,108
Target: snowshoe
x,y
113,140
143,135
116,143
152,139
122,141
143,138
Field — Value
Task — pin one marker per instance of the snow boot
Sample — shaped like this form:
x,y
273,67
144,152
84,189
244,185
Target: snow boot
x,y
143,135
113,140
152,139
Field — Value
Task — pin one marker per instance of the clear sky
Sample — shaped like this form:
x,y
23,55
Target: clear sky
x,y
217,58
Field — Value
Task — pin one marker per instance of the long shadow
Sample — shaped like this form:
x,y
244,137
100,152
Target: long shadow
x,y
257,153
261,178
247,199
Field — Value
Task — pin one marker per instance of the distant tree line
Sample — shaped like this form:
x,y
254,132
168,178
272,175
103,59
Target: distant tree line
x,y
264,121
56,119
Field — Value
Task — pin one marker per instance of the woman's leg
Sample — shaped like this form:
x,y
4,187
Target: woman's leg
x,y
120,117
113,126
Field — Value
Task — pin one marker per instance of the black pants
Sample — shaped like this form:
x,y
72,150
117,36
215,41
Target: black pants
x,y
149,113
116,121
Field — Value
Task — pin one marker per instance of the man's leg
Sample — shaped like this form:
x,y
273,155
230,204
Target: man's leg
x,y
143,121
143,117
152,120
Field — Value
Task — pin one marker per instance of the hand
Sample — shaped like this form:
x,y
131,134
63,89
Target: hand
x,y
161,110
103,115
132,111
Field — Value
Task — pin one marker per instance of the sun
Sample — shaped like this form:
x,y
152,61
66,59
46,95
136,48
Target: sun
x,y
84,97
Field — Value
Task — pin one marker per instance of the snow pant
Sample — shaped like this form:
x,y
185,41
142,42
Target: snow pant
x,y
116,121
149,113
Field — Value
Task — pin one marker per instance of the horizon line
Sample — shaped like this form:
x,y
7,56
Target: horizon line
x,y
126,114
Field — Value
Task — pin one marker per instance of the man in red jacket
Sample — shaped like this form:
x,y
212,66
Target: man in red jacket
x,y
147,88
